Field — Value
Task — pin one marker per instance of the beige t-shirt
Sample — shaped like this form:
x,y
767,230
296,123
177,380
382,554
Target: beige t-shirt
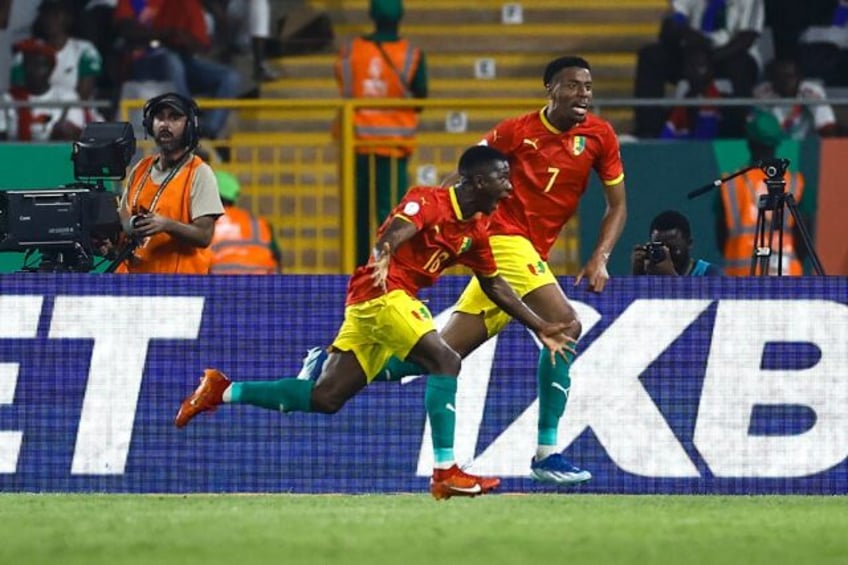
x,y
204,199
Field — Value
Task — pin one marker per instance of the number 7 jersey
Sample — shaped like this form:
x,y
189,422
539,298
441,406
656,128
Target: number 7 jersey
x,y
444,238
549,173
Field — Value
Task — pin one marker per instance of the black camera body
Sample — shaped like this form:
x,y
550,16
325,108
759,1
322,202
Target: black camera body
x,y
655,251
66,223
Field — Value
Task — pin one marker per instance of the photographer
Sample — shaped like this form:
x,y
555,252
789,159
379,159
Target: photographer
x,y
669,250
171,200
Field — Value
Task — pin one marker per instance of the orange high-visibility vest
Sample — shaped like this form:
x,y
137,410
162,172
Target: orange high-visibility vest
x,y
242,245
162,253
363,72
740,199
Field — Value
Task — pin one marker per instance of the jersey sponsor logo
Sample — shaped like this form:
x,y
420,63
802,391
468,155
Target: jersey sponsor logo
x,y
531,142
578,145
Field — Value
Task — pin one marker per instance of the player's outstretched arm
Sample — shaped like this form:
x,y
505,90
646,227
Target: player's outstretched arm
x,y
552,335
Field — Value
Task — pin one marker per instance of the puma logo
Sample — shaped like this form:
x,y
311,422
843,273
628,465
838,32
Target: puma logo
x,y
531,142
561,388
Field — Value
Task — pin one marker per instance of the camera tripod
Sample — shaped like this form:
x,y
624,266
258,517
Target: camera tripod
x,y
776,200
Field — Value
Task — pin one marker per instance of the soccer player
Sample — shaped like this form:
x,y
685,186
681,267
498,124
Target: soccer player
x,y
431,229
551,153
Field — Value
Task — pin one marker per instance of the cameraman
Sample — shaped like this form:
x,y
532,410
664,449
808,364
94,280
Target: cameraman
x,y
669,250
171,200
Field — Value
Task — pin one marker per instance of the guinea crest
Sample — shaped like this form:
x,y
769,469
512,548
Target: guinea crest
x,y
578,144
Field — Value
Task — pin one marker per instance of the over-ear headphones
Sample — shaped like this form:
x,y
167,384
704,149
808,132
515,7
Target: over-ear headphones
x,y
187,106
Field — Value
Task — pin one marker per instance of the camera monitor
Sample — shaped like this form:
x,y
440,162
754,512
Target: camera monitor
x,y
104,150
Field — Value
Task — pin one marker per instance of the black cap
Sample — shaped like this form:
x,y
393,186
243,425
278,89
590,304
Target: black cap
x,y
173,100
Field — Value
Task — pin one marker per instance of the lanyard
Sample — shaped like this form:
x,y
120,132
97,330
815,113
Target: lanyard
x,y
171,174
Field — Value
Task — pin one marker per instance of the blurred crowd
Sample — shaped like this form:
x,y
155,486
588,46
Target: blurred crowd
x,y
767,49
103,50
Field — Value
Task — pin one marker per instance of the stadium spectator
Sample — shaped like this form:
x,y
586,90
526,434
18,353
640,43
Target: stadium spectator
x,y
548,179
798,121
78,62
63,122
669,250
736,220
431,229
244,25
167,41
823,45
381,65
173,228
243,244
729,28
697,122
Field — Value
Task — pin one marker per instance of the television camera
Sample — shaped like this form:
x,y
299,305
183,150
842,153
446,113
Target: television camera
x,y
67,224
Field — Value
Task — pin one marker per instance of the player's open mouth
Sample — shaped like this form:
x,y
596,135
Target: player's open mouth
x,y
580,108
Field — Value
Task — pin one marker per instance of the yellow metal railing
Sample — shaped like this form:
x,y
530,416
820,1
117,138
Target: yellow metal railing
x,y
301,177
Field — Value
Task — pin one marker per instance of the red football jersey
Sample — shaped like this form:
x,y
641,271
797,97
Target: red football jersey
x,y
549,170
444,239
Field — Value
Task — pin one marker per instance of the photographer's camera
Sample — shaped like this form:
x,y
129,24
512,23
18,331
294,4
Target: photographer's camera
x,y
655,251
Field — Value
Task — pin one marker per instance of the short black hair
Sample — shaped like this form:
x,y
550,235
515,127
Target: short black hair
x,y
557,65
671,220
476,156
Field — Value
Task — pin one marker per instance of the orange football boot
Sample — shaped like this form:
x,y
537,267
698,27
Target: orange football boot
x,y
446,483
207,396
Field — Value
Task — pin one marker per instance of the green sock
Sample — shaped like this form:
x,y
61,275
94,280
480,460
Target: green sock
x,y
554,384
285,395
396,369
440,401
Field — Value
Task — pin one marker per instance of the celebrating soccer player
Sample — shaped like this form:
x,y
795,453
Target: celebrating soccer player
x,y
431,229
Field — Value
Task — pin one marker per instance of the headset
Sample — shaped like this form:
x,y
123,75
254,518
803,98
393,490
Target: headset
x,y
191,136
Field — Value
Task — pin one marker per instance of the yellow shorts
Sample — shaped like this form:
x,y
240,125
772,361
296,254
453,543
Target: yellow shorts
x,y
376,329
519,263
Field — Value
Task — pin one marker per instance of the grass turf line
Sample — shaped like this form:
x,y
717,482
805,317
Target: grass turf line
x,y
411,529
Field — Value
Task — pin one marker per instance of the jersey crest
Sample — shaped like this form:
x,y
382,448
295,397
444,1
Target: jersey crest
x,y
464,246
578,145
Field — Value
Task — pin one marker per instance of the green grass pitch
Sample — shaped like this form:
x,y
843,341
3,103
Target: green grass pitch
x,y
414,529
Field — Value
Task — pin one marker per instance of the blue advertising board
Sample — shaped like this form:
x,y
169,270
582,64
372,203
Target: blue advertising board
x,y
681,385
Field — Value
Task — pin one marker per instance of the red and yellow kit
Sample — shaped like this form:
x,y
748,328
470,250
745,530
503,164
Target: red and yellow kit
x,y
549,173
444,239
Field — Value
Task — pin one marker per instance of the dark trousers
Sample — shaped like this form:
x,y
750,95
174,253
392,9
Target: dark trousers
x,y
661,63
385,178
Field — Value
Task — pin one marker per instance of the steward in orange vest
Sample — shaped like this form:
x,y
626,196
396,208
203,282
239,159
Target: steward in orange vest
x,y
243,244
739,198
171,201
381,65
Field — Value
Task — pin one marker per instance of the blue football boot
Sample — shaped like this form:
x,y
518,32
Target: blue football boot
x,y
558,470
